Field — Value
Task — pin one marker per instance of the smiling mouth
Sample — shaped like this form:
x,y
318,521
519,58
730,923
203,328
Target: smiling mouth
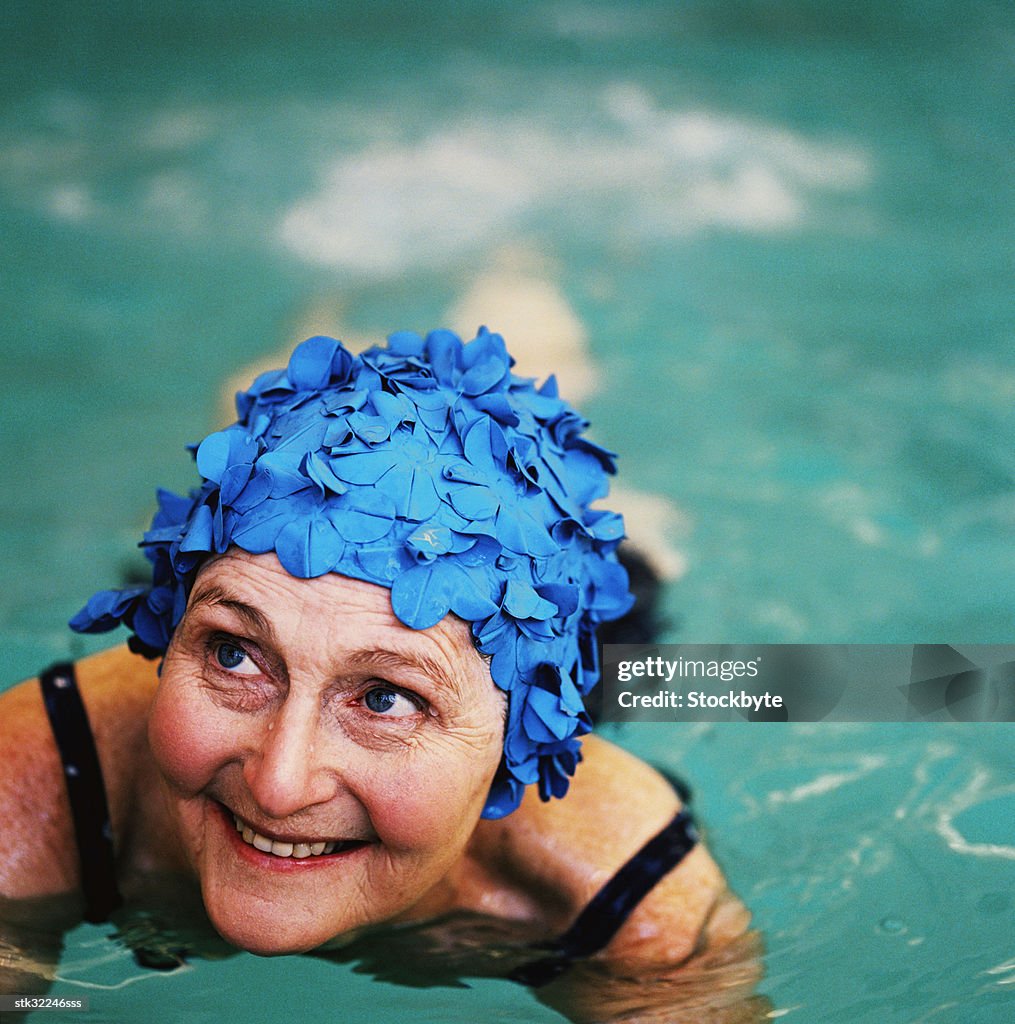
x,y
298,850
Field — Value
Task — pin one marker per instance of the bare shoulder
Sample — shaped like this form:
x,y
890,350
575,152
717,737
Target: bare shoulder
x,y
38,855
566,850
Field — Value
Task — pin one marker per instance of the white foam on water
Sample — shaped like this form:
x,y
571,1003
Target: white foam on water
x,y
1007,967
393,207
396,206
630,168
71,202
713,140
601,21
791,623
144,976
828,782
172,130
975,792
916,802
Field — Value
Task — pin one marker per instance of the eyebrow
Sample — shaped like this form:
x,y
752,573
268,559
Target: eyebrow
x,y
396,658
213,595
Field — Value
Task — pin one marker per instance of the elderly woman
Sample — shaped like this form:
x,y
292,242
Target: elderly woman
x,y
376,620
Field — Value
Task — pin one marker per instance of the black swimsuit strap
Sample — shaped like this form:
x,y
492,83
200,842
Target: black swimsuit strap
x,y
85,789
613,904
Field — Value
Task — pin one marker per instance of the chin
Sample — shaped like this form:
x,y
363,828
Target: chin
x,y
265,935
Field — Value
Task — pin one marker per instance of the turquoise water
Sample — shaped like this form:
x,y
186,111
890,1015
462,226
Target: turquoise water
x,y
785,229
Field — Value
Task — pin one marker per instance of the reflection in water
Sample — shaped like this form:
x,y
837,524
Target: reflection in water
x,y
716,984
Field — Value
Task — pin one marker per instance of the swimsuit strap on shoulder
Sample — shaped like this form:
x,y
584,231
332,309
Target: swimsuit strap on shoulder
x,y
85,789
613,904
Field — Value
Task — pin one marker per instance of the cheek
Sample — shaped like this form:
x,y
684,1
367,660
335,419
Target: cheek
x,y
435,798
184,737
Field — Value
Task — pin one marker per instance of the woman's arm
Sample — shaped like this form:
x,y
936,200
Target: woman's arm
x,y
38,849
37,852
38,870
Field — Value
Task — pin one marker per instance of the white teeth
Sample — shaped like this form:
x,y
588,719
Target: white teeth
x,y
280,849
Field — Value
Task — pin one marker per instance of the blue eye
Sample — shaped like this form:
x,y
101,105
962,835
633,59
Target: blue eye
x,y
232,657
382,700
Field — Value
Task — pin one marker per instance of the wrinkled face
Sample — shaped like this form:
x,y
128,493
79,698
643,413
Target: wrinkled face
x,y
355,754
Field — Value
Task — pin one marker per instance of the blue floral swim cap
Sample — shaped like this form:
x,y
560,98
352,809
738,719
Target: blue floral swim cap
x,y
429,468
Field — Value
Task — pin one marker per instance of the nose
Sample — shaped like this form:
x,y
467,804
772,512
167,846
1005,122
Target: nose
x,y
286,771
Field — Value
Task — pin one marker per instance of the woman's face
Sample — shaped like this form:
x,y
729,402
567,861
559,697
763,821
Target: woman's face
x,y
306,711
